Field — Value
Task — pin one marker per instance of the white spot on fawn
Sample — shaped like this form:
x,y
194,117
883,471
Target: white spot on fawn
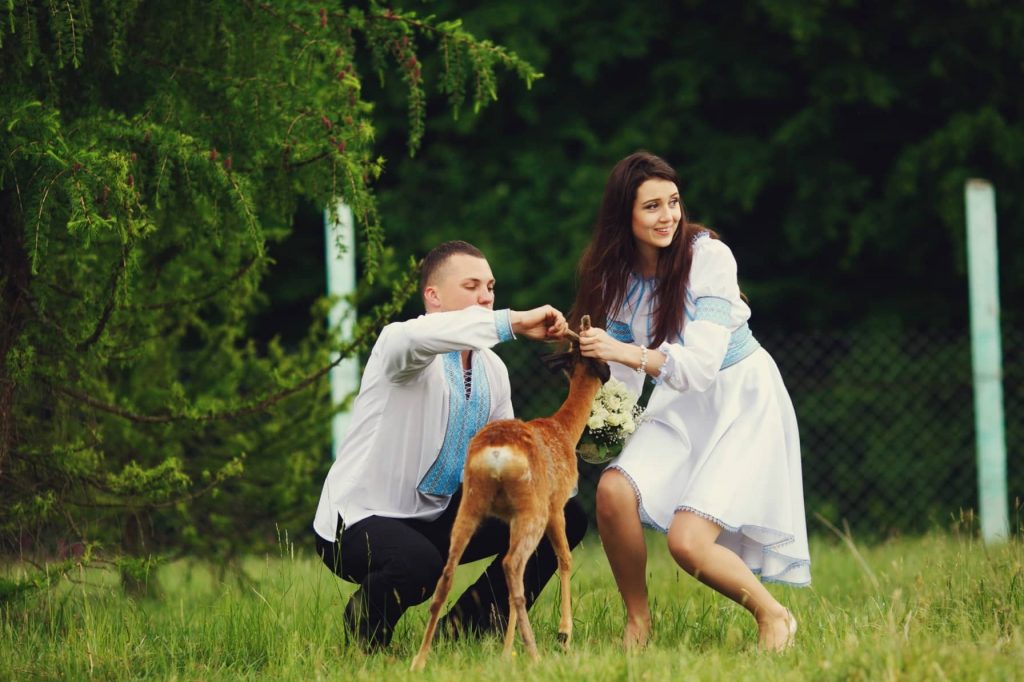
x,y
498,458
501,461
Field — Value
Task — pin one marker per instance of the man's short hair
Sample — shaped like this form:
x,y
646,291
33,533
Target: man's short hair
x,y
440,254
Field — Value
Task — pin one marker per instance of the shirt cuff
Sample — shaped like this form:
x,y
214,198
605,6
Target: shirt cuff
x,y
667,367
503,324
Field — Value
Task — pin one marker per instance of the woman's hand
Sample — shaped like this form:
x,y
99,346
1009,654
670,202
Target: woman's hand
x,y
597,343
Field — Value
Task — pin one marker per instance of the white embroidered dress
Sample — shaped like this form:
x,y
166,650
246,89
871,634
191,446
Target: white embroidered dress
x,y
719,437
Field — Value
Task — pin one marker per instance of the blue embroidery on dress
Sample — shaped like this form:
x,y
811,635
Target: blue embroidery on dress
x,y
741,344
465,418
713,309
700,235
632,290
503,322
620,331
668,367
639,299
650,316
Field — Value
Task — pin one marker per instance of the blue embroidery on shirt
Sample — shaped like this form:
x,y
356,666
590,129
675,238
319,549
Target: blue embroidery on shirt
x,y
620,331
465,418
503,322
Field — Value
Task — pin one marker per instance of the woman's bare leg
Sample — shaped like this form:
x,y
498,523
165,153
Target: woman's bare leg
x,y
691,541
618,523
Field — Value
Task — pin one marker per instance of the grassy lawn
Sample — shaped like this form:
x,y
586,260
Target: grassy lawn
x,y
931,608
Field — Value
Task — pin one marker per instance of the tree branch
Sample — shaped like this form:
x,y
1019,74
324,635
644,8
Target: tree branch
x,y
108,308
235,276
253,408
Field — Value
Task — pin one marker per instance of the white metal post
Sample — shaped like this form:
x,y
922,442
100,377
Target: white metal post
x,y
986,359
339,235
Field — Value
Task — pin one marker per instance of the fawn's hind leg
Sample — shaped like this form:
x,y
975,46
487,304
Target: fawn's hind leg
x,y
470,513
556,536
524,534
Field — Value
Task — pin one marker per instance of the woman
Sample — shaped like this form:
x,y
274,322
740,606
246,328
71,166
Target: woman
x,y
716,462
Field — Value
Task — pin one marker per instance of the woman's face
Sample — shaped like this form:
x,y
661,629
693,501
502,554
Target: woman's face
x,y
656,214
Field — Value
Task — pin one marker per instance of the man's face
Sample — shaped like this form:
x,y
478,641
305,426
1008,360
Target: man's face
x,y
462,281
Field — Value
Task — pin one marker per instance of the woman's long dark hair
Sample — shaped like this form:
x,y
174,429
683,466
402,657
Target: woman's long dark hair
x,y
604,269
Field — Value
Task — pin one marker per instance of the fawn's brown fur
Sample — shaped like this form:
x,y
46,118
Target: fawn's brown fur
x,y
523,473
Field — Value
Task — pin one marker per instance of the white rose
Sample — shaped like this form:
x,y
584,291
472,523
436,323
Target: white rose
x,y
614,419
595,423
629,426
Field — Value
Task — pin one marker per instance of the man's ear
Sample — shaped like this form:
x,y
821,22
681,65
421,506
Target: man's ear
x,y
431,299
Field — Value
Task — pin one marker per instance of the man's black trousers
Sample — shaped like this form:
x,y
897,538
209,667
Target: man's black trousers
x,y
397,562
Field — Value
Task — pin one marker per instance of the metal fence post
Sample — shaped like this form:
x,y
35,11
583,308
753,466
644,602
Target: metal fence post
x,y
340,250
986,359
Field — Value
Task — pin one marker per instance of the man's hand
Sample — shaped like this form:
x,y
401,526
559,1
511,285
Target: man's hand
x,y
539,324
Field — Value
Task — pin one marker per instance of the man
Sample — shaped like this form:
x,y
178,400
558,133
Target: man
x,y
389,501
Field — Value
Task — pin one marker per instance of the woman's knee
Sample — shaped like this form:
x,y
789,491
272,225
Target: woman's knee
x,y
689,539
684,550
615,496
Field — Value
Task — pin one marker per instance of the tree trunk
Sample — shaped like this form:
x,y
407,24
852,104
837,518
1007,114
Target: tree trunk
x,y
15,277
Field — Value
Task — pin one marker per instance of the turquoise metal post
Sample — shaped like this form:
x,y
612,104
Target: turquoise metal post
x,y
340,248
986,359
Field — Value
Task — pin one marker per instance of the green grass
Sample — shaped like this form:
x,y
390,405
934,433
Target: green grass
x,y
931,608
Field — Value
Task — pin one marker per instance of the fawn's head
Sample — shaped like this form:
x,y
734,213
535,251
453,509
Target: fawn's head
x,y
568,360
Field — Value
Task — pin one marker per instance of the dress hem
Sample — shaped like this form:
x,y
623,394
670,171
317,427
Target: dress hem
x,y
767,549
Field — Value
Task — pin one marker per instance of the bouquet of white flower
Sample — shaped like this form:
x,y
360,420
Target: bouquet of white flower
x,y
613,417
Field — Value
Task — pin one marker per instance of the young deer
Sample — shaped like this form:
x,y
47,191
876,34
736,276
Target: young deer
x,y
523,473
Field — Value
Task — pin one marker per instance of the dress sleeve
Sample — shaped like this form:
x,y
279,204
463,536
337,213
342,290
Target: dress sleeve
x,y
715,292
408,347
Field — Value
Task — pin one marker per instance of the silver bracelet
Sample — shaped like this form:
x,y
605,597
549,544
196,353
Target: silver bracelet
x,y
642,369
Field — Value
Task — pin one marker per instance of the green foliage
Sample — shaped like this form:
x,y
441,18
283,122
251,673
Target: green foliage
x,y
827,141
936,607
152,157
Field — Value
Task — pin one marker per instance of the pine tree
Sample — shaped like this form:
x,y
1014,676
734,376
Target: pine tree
x,y
150,151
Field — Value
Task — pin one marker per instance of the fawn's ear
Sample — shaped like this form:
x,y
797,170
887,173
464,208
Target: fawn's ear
x,y
556,362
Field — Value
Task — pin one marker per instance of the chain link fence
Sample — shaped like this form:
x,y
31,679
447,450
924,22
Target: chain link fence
x,y
886,424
